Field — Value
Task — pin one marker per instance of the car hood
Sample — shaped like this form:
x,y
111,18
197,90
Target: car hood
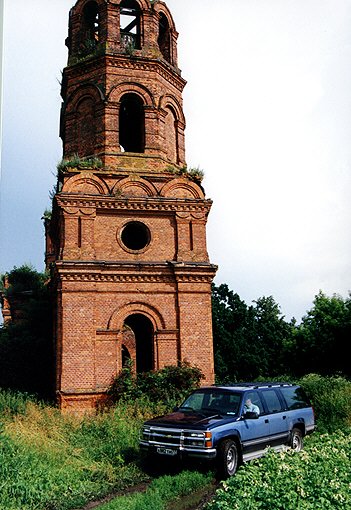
x,y
179,419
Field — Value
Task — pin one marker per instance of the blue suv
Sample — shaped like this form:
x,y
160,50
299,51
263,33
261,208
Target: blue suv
x,y
232,424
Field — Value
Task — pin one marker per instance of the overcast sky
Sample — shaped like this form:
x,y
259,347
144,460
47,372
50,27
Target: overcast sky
x,y
268,109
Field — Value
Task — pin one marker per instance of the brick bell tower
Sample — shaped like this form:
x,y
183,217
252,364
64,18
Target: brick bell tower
x,y
127,239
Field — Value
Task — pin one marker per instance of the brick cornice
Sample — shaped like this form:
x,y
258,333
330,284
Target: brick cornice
x,y
122,62
133,203
126,272
151,65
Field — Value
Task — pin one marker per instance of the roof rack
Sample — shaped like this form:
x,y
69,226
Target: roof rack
x,y
254,385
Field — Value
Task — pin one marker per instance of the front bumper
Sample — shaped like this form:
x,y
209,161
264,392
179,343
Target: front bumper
x,y
182,451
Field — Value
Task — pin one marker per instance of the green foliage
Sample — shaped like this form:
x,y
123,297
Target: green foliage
x,y
47,214
160,492
76,161
248,340
23,279
51,461
55,462
331,400
12,402
255,342
319,344
26,350
293,480
169,385
193,173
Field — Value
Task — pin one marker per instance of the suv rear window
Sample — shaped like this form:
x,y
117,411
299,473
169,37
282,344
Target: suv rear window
x,y
272,401
295,398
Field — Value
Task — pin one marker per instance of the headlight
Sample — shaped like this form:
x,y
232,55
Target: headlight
x,y
200,439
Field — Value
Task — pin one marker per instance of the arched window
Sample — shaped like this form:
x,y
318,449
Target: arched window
x,y
144,334
132,124
130,15
171,135
90,28
164,37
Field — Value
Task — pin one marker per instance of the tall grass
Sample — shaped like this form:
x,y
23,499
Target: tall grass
x,y
55,462
12,403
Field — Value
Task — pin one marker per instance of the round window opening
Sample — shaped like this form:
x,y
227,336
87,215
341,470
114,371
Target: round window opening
x,y
135,236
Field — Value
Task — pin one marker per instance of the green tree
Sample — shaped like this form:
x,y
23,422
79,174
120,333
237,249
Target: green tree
x,y
321,342
230,316
270,335
248,340
26,348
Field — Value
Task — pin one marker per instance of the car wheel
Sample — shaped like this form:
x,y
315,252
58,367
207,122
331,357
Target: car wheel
x,y
227,458
296,441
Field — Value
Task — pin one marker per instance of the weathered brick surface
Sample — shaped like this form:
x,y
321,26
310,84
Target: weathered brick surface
x,y
102,285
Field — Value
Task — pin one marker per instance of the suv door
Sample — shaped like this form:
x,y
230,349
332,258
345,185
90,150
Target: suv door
x,y
275,417
254,432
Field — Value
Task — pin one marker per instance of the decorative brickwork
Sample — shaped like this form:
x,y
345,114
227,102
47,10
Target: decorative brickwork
x,y
127,240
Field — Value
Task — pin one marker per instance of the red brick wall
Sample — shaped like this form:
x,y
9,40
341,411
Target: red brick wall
x,y
100,282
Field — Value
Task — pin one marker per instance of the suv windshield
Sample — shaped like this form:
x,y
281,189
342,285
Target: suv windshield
x,y
214,401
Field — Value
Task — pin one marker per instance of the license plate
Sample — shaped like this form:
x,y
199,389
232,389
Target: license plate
x,y
166,451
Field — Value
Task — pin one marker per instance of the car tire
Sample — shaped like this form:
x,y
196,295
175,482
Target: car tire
x,y
296,440
228,458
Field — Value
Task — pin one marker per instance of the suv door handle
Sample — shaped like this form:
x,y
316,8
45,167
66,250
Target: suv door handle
x,y
266,421
284,417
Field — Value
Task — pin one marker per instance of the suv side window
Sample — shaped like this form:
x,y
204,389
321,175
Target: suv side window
x,y
272,401
295,398
255,399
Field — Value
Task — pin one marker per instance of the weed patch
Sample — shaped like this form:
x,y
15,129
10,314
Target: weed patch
x,y
317,477
55,462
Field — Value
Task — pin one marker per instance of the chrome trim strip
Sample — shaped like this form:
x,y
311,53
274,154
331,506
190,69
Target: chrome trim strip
x,y
265,439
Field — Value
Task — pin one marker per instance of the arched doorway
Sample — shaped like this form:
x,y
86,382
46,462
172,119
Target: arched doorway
x,y
144,339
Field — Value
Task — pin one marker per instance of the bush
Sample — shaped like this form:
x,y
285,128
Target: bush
x,y
170,385
331,400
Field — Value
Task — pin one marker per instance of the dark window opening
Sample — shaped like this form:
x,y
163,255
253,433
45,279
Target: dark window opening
x,y
135,235
126,357
79,232
130,15
143,331
132,124
164,37
191,235
90,25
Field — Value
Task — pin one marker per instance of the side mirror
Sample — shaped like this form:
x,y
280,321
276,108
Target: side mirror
x,y
250,415
175,409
